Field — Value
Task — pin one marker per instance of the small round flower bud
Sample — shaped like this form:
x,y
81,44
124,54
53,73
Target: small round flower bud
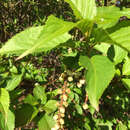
x,y
68,90
59,91
69,116
63,75
79,85
69,50
53,128
62,115
62,109
61,78
70,79
57,104
65,97
82,81
61,126
68,84
85,106
61,121
56,127
55,117
65,104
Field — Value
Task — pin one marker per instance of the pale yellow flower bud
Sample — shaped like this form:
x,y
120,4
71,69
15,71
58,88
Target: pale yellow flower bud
x,y
70,79
57,104
68,84
69,50
61,78
79,85
65,104
59,91
65,97
61,121
82,81
62,114
85,106
62,109
55,117
53,128
68,90
56,127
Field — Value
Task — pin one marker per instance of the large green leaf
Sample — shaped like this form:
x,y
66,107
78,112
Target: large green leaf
x,y
37,39
83,9
4,102
100,71
119,37
54,33
108,16
46,123
9,123
22,41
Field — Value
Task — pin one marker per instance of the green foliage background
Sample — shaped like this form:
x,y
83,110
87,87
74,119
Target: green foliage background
x,y
32,82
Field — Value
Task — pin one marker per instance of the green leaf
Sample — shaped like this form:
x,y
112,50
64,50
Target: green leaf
x,y
119,37
46,123
100,71
31,100
79,109
83,9
126,67
53,34
4,102
23,114
116,54
103,48
22,41
109,16
121,126
34,114
38,39
13,82
126,83
9,124
85,26
50,106
39,93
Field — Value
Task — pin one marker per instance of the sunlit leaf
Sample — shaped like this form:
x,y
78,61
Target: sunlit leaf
x,y
83,9
39,39
100,71
4,102
109,16
126,67
9,123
